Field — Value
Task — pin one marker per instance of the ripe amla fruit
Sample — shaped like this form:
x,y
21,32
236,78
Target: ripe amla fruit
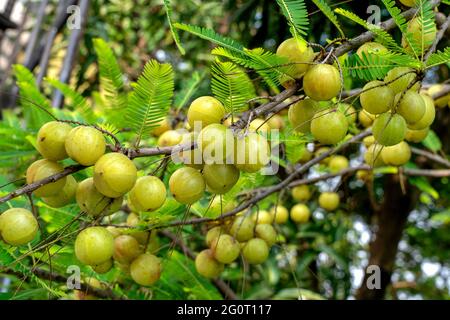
x,y
51,140
94,246
389,129
370,48
275,122
301,113
255,251
299,53
411,106
376,97
322,82
259,125
338,163
418,37
65,196
428,117
366,119
225,248
329,126
409,3
267,233
18,226
416,135
41,169
399,78
169,138
205,111
212,234
252,153
162,126
373,155
148,194
329,201
301,193
396,155
146,269
216,143
280,214
206,265
242,228
103,267
220,178
114,174
262,217
126,249
91,201
191,157
187,185
300,213
85,145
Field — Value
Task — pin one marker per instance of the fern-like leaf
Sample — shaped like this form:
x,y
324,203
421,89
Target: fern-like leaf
x,y
438,58
326,10
188,89
297,16
175,35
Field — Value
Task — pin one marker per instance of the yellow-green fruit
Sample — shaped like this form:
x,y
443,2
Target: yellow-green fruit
x,y
212,234
440,102
205,111
216,143
51,140
365,118
409,3
399,78
242,228
94,246
301,193
206,265
255,251
373,155
162,127
115,231
141,236
329,126
219,206
428,118
114,174
262,217
416,135
322,82
93,202
300,213
299,53
368,141
411,106
349,112
420,38
65,196
338,163
85,145
276,122
191,157
225,248
280,214
187,185
126,249
41,169
220,178
252,153
148,194
169,138
103,267
376,97
18,226
370,48
301,114
259,125
146,269
396,155
329,201
389,129
267,233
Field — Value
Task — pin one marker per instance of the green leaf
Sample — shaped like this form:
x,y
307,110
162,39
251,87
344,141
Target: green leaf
x,y
423,185
432,141
438,58
175,35
297,16
188,90
443,217
325,8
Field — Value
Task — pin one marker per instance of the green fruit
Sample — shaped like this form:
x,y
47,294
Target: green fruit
x,y
85,145
191,158
205,111
187,185
300,213
299,53
114,174
220,178
418,37
262,217
322,82
42,169
369,48
94,246
329,126
416,135
338,163
428,117
51,140
389,129
216,143
126,249
267,233
301,113
349,112
259,125
365,118
373,155
141,236
252,153
169,138
329,201
148,194
377,100
399,78
276,122
411,106
225,248
212,234
18,226
301,193
396,155
206,265
65,196
255,251
163,126
409,3
104,267
146,269
280,214
242,228
368,141
93,202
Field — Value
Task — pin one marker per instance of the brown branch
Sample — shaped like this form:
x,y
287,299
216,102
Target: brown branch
x,y
431,156
427,173
438,38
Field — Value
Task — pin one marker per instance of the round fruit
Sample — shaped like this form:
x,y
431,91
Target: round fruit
x,y
216,143
212,234
370,48
219,206
399,78
338,163
267,233
163,126
126,249
411,106
205,111
322,82
104,267
416,135
301,193
93,202
146,269
262,217
349,112
255,251
187,185
299,53
368,141
94,246
114,174
373,155
41,169
414,27
252,153
378,98
225,248
206,265
85,145
259,125
329,201
428,118
365,118
329,126
18,226
408,3
220,178
301,113
396,155
389,129
148,194
276,122
141,236
300,213
280,214
191,157
320,151
242,228
65,196
169,138
51,140
440,102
